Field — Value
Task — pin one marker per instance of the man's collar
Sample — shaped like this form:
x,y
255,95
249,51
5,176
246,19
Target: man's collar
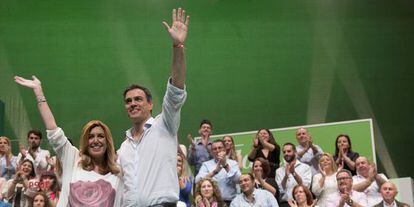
x,y
297,162
253,194
147,125
391,205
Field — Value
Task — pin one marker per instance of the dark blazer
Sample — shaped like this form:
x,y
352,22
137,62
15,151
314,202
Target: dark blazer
x,y
399,204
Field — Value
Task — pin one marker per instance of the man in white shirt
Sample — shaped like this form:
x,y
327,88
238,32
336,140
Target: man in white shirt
x,y
251,196
308,152
367,180
292,173
346,197
148,154
34,153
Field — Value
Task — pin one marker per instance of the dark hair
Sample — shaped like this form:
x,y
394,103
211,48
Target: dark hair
x,y
336,143
45,198
217,141
309,197
136,86
35,132
344,171
32,173
272,139
265,166
290,144
55,185
205,121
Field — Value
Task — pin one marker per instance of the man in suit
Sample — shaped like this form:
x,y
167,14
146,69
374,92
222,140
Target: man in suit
x,y
389,191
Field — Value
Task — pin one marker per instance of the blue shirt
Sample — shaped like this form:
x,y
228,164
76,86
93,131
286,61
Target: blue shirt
x,y
199,154
262,198
226,181
7,172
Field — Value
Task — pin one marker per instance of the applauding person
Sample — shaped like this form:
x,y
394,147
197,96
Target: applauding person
x,y
344,156
264,145
324,183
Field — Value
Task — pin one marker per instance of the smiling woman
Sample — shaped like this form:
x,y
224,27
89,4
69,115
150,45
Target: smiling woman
x,y
90,175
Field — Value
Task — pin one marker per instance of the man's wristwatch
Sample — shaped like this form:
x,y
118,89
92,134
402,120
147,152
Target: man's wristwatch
x,y
350,202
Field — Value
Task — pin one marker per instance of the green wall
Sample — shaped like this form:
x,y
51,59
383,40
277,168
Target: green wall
x,y
251,64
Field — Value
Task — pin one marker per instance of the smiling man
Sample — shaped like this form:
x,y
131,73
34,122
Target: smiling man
x,y
251,196
34,153
148,154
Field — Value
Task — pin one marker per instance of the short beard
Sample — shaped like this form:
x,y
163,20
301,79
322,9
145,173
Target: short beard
x,y
290,158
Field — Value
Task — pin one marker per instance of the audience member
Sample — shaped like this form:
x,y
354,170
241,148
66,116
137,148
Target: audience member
x,y
231,150
34,153
292,173
324,183
388,193
49,185
260,170
40,199
346,196
264,145
8,161
251,196
184,179
308,152
225,171
148,155
94,164
368,181
344,156
207,194
200,151
19,190
302,197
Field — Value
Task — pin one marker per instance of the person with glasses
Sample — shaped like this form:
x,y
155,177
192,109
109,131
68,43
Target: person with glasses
x,y
346,196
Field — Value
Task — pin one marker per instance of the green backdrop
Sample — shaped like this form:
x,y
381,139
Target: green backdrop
x,y
251,64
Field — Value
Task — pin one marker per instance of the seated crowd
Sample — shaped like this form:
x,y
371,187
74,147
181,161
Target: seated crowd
x,y
306,177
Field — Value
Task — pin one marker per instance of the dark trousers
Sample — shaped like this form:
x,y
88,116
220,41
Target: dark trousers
x,y
284,204
164,205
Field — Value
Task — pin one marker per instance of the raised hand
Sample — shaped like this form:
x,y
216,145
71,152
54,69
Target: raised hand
x,y
322,171
292,168
34,83
22,150
256,142
287,169
258,174
341,165
178,29
292,203
198,199
191,140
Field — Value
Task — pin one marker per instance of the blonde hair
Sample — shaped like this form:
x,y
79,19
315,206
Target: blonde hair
x,y
109,163
185,171
333,163
9,154
233,154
